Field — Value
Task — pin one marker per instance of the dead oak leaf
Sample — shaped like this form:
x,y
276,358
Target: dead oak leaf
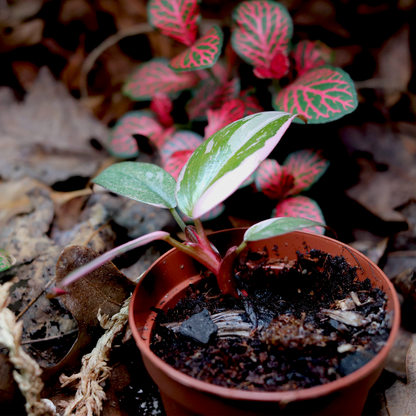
x,y
47,136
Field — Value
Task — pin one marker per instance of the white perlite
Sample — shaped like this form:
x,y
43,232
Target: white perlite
x,y
26,371
90,394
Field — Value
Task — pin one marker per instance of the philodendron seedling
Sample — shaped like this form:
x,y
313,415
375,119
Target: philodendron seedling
x,y
215,170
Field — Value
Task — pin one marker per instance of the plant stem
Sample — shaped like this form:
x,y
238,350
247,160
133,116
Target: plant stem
x,y
178,218
201,232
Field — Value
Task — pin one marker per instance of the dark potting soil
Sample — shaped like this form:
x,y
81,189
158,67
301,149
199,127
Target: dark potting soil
x,y
293,340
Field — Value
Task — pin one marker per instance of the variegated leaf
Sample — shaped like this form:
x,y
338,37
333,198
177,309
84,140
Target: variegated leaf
x,y
202,54
273,179
223,162
143,182
211,94
217,119
210,215
155,77
162,106
121,141
278,226
263,31
175,163
177,19
306,166
321,95
181,140
311,54
302,207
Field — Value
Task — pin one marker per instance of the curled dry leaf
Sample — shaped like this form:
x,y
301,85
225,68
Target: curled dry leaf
x,y
105,288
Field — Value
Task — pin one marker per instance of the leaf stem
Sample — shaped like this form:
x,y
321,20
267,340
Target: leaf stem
x,y
178,218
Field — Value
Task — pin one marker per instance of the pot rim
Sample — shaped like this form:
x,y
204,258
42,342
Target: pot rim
x,y
277,396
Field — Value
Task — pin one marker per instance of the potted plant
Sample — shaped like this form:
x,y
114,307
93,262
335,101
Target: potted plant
x,y
214,171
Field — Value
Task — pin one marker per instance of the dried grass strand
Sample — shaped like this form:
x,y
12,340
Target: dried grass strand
x,y
90,394
26,371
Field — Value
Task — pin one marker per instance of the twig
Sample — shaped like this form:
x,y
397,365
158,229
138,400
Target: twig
x,y
32,341
110,41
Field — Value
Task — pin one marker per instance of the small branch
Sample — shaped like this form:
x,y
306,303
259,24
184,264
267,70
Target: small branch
x,y
110,41
32,341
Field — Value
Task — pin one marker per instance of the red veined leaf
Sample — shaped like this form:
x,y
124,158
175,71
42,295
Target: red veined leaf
x,y
177,161
122,143
219,70
309,55
302,207
251,103
211,94
177,19
162,106
321,95
210,215
279,67
155,77
273,179
307,167
181,140
263,30
217,119
202,54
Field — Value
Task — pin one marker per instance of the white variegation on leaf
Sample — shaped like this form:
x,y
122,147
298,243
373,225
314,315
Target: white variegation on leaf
x,y
143,182
224,161
278,226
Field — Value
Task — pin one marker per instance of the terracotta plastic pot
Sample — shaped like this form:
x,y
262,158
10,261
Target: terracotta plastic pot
x,y
166,282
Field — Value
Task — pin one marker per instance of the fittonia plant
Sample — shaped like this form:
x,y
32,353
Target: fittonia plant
x,y
214,171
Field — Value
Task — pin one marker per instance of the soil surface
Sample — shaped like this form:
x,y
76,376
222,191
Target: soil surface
x,y
310,322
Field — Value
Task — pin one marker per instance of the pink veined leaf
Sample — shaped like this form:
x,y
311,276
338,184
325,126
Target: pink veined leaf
x,y
177,19
155,77
202,54
302,207
279,67
263,29
321,95
122,143
311,54
181,140
211,94
273,179
162,106
219,70
252,105
177,161
307,167
210,215
217,119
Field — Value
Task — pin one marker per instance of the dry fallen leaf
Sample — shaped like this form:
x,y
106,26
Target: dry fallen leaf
x,y
395,66
388,170
47,136
105,288
401,397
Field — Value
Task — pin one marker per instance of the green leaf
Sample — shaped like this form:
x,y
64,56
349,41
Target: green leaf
x,y
6,260
224,161
278,226
143,182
